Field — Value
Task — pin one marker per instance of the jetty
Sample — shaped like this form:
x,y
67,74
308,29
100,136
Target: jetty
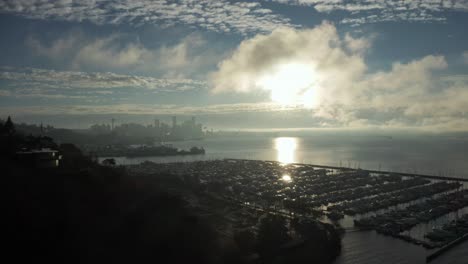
x,y
445,248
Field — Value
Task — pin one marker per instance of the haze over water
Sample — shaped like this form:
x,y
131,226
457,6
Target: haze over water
x,y
424,154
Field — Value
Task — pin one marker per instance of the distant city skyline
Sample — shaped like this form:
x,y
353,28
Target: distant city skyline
x,y
237,64
160,130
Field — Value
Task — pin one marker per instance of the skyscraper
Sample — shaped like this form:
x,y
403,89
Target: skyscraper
x,y
156,123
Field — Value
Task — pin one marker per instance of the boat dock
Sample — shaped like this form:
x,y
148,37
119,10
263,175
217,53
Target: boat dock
x,y
445,248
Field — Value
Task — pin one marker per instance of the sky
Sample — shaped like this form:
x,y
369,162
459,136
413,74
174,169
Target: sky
x,y
341,64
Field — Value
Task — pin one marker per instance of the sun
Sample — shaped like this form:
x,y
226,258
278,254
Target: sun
x,y
290,84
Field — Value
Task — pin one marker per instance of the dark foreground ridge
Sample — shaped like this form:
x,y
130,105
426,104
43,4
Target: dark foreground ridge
x,y
63,207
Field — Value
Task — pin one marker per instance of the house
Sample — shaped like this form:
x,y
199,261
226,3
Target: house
x,y
39,158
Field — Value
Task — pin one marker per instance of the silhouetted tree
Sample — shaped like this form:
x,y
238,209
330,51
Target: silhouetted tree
x,y
9,127
321,243
272,234
10,141
108,162
245,241
87,213
72,157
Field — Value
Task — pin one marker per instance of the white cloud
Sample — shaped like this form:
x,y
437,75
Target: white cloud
x,y
410,94
213,15
105,53
79,51
357,45
184,56
118,51
372,11
50,79
415,76
4,93
319,51
142,109
59,49
465,57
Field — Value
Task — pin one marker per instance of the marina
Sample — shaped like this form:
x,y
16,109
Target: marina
x,y
354,199
396,181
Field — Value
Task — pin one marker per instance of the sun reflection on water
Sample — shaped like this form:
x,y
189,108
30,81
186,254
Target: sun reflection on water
x,y
286,149
286,178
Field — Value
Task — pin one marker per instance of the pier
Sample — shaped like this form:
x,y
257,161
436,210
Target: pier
x,y
445,248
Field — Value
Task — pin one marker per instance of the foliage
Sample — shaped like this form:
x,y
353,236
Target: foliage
x,y
109,162
272,234
87,213
9,127
246,241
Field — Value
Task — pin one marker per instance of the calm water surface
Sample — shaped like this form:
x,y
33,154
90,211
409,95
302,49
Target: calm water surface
x,y
435,155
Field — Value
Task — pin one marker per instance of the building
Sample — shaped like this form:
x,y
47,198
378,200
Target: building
x,y
156,123
40,158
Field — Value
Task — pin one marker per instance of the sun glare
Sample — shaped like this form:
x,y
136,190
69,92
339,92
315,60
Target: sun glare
x,y
286,178
286,149
290,84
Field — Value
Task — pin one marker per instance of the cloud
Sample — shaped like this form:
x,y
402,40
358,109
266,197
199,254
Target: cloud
x,y
143,109
214,15
371,11
414,76
319,51
104,53
4,93
465,57
357,45
79,51
187,57
58,50
122,52
33,82
338,87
